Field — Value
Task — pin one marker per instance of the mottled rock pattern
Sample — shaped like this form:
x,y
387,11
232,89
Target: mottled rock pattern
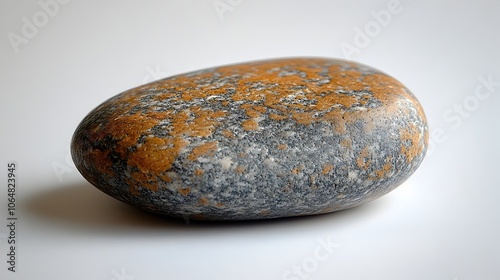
x,y
257,140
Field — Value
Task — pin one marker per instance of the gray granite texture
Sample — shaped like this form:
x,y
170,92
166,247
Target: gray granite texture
x,y
257,140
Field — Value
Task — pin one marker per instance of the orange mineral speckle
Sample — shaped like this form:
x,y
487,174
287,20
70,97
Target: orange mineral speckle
x,y
337,118
134,190
265,212
156,155
228,133
282,147
297,169
208,149
142,180
205,121
240,169
327,168
346,143
184,191
304,118
165,178
203,201
199,172
250,124
277,117
379,174
253,111
126,129
363,159
104,162
414,147
325,103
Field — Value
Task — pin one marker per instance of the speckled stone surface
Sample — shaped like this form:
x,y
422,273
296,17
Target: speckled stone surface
x,y
257,140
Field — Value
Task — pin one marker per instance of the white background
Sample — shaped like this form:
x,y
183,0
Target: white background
x,y
443,223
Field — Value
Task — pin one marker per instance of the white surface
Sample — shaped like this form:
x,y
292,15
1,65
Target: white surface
x,y
441,224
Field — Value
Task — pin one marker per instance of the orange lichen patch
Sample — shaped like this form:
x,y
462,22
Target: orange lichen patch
x,y
426,137
349,79
327,101
103,162
165,178
199,172
277,117
363,159
381,84
412,135
250,111
225,103
259,108
142,180
304,118
240,169
337,118
189,86
279,92
204,123
381,173
243,94
164,96
207,149
125,129
297,169
156,155
184,191
346,143
311,72
371,120
327,168
203,201
385,88
264,212
282,147
219,204
250,124
134,190
228,133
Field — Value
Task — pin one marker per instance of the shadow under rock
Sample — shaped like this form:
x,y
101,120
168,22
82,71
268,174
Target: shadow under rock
x,y
81,206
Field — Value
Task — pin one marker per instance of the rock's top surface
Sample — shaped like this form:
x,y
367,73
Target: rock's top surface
x,y
257,140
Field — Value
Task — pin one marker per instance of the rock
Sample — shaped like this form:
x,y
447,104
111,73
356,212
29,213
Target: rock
x,y
257,140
